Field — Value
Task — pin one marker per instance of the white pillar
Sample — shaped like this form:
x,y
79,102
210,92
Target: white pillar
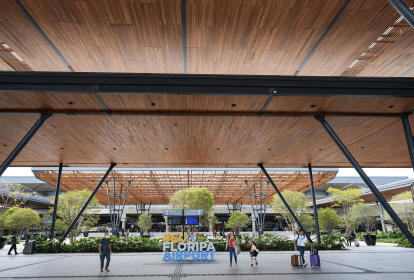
x,y
123,224
167,228
253,224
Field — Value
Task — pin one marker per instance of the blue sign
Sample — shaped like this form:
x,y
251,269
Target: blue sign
x,y
180,213
193,212
47,221
173,212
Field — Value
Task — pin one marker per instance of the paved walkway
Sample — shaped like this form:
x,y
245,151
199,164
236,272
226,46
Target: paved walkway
x,y
383,261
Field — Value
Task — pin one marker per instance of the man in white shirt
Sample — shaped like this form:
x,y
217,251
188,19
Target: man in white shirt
x,y
301,239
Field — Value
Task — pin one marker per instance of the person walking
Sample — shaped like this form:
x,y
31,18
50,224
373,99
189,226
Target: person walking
x,y
253,251
300,240
232,244
13,246
214,233
105,251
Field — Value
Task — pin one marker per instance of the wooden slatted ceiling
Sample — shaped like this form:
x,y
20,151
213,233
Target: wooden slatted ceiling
x,y
159,186
18,32
396,60
252,36
4,66
136,36
203,141
205,104
357,28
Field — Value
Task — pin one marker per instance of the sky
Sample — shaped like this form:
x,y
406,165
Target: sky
x,y
26,171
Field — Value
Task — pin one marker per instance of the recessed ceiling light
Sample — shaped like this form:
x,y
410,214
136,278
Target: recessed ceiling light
x,y
5,145
320,149
312,106
392,106
233,105
71,103
166,148
114,148
61,148
152,104
269,149
218,149
362,147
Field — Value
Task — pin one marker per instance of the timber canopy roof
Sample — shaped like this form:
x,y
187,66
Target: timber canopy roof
x,y
183,112
156,186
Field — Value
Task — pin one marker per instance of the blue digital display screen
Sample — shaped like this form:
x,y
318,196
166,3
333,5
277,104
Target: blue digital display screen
x,y
191,220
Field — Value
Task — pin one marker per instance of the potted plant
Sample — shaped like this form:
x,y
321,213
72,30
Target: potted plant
x,y
365,215
145,223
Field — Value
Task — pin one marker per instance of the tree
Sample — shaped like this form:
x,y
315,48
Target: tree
x,y
307,221
21,219
13,194
345,199
145,222
363,214
60,226
328,220
404,207
297,202
45,226
237,220
214,221
194,198
70,204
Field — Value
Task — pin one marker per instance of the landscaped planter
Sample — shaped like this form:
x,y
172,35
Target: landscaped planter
x,y
85,234
370,240
3,242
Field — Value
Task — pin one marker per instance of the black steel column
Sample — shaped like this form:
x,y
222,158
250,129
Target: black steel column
x,y
89,200
52,230
408,137
284,202
315,210
24,141
366,179
406,13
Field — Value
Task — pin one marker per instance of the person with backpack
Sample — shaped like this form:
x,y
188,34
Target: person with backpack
x,y
300,240
253,251
105,251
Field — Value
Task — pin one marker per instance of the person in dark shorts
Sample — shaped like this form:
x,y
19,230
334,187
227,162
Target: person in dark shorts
x,y
13,246
105,251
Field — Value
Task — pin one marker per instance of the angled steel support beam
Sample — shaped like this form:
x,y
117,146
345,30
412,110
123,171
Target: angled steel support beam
x,y
284,202
408,137
404,11
52,230
89,200
366,179
315,210
23,143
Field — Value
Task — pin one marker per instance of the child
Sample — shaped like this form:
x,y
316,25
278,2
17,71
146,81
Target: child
x,y
253,251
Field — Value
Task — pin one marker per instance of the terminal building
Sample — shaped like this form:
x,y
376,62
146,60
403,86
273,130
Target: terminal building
x,y
43,192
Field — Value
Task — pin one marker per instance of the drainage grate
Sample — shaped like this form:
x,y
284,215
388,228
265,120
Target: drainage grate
x,y
389,37
12,59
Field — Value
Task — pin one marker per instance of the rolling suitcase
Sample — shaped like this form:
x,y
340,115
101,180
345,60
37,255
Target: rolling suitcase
x,y
314,257
296,260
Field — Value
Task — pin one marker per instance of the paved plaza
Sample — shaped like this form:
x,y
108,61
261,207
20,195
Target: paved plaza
x,y
383,261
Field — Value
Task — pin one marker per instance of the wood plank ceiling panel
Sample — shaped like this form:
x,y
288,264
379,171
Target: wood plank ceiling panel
x,y
19,33
396,60
207,141
49,101
135,36
361,23
256,37
320,105
4,66
185,103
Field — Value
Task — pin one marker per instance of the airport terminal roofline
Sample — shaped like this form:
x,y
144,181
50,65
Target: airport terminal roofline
x,y
382,188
